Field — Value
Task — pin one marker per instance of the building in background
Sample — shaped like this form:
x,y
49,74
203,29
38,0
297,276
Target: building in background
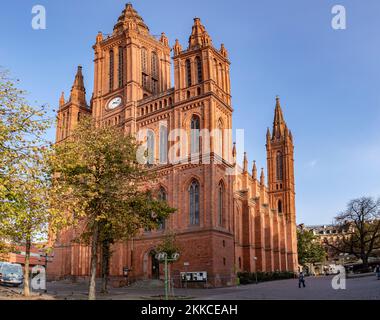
x,y
228,219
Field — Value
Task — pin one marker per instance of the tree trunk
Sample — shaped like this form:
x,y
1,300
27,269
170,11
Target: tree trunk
x,y
365,261
94,262
106,255
26,268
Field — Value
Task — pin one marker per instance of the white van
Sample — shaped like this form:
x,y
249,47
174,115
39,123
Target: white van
x,y
11,274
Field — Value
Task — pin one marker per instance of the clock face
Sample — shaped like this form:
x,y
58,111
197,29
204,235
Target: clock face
x,y
114,103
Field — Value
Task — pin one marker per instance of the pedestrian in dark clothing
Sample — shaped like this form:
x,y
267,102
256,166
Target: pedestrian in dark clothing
x,y
301,280
377,270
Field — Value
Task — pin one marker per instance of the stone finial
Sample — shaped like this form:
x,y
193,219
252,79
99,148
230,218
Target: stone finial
x,y
245,162
223,51
254,170
164,39
99,37
177,47
262,177
62,99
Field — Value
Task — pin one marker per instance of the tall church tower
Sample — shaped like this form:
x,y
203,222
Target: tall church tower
x,y
280,162
130,65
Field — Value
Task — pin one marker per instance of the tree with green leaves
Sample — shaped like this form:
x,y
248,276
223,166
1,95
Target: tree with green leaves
x,y
309,249
24,179
103,190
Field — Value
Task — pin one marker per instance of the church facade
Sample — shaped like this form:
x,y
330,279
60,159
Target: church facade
x,y
228,218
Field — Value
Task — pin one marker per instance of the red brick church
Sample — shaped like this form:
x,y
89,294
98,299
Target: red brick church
x,y
228,218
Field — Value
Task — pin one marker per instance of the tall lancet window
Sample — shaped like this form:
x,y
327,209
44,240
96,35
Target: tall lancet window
x,y
163,197
154,72
195,134
111,66
220,138
121,67
279,206
144,68
163,144
194,202
150,147
279,166
198,62
188,73
220,204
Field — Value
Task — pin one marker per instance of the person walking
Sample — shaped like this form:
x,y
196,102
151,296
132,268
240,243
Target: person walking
x,y
377,270
301,280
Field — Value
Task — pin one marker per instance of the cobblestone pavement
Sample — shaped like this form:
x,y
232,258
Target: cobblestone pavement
x,y
318,288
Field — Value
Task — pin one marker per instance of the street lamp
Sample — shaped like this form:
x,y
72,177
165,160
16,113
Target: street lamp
x,y
163,257
255,259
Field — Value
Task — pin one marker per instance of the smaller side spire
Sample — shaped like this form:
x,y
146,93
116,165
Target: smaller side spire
x,y
199,36
177,48
262,177
78,91
164,39
62,99
99,37
234,150
223,51
245,163
254,171
268,135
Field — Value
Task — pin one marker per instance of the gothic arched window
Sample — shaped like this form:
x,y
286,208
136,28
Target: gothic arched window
x,y
195,134
144,68
150,147
163,197
279,166
219,137
121,67
279,206
220,204
194,202
111,66
198,62
163,144
188,72
154,67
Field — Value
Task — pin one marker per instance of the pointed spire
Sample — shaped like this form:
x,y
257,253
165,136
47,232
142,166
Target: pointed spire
x,y
78,82
262,177
254,170
78,91
177,48
245,163
223,51
164,39
279,124
199,36
62,99
268,136
130,20
99,37
234,150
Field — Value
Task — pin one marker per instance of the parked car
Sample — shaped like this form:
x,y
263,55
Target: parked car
x,y
11,274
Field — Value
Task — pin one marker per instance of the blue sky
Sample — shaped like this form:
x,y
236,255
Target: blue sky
x,y
328,80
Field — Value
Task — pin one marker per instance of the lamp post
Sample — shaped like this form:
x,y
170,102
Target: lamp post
x,y
44,254
163,257
255,259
